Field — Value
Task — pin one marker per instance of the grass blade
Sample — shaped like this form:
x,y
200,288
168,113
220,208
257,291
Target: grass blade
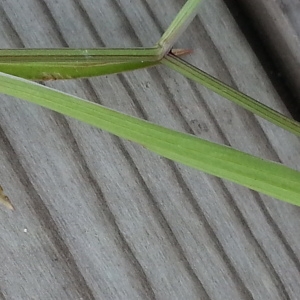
x,y
57,71
54,64
264,176
231,94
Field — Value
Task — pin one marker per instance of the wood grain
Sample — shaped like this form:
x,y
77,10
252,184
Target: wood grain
x,y
278,25
101,218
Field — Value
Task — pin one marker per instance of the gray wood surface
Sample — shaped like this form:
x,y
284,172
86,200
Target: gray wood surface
x,y
102,218
278,23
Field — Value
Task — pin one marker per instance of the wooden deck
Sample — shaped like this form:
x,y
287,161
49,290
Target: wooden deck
x,y
102,218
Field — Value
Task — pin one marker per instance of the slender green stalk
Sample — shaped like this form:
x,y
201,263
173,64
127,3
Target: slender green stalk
x,y
264,176
178,26
89,55
231,94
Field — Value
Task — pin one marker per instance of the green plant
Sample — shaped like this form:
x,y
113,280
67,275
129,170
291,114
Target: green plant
x,y
261,175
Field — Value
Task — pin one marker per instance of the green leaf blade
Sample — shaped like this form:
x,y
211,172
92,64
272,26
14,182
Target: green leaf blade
x,y
54,64
261,175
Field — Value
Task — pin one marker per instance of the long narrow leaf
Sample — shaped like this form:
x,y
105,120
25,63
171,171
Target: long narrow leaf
x,y
53,64
53,71
264,176
231,94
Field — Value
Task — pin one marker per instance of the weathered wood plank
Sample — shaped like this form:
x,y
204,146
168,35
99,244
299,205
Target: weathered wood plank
x,y
106,219
278,24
